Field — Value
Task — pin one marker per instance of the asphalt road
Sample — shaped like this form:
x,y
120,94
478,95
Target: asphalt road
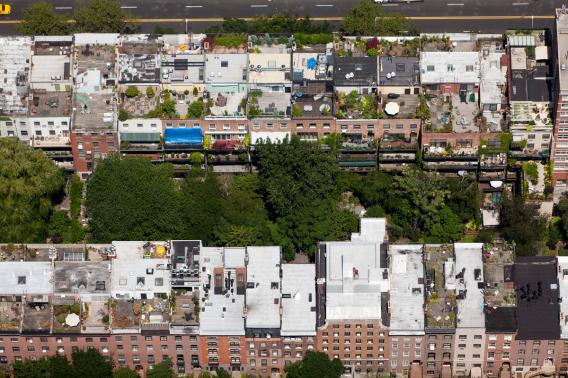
x,y
490,16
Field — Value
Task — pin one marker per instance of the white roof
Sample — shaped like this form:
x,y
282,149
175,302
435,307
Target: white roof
x,y
469,262
372,230
298,300
563,286
406,290
15,53
449,67
226,68
263,287
46,67
492,79
26,277
133,275
354,279
96,39
273,68
221,314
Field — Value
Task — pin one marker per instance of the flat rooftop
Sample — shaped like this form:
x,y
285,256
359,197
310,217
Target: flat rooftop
x,y
401,71
139,68
449,67
182,68
371,230
355,71
140,268
269,68
223,287
94,111
493,78
562,45
49,104
298,300
29,277
226,68
536,285
469,285
406,290
82,277
50,69
440,265
317,65
563,287
500,297
356,275
263,287
15,54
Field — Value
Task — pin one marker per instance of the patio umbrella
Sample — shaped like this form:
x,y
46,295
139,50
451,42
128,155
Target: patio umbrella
x,y
392,108
72,320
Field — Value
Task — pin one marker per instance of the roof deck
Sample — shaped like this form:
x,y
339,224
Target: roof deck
x,y
95,315
498,260
11,311
469,285
37,314
66,314
186,310
50,104
440,264
125,315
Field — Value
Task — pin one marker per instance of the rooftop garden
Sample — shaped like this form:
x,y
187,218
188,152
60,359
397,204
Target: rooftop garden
x,y
356,106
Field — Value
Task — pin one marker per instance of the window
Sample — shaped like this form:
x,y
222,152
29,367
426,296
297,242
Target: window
x,y
469,68
430,68
224,63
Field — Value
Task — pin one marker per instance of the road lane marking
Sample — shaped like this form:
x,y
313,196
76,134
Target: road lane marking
x,y
259,6
391,5
455,4
129,7
517,4
63,8
324,5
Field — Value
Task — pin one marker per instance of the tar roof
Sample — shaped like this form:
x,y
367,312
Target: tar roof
x,y
263,287
531,85
399,71
355,71
449,67
536,284
406,290
222,309
82,277
20,278
298,300
469,285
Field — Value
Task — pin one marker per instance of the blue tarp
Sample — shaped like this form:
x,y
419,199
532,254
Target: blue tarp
x,y
183,135
312,63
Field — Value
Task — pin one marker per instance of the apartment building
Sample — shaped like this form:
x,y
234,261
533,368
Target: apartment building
x,y
559,155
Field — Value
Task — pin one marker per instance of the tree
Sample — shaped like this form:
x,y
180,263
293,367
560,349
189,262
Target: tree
x,y
100,16
222,373
122,115
29,184
90,363
150,92
132,199
125,372
201,209
41,19
315,365
161,370
46,367
196,109
132,91
521,223
367,18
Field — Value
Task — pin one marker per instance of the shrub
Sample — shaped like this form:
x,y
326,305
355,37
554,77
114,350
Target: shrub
x,y
195,91
150,92
122,115
132,92
61,318
76,308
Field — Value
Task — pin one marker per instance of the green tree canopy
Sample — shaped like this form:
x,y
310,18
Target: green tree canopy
x,y
521,223
47,367
368,18
132,199
161,370
315,365
29,182
90,363
100,16
40,19
125,372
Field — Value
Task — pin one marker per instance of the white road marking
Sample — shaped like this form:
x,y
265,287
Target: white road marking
x,y
63,8
324,5
259,6
129,7
455,4
390,5
520,4
194,6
